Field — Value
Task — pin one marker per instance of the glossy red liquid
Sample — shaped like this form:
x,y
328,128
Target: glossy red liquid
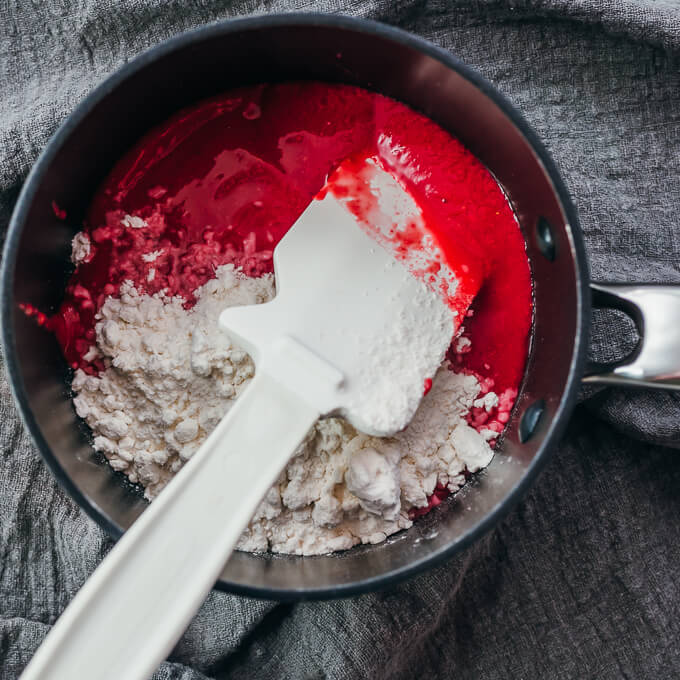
x,y
223,181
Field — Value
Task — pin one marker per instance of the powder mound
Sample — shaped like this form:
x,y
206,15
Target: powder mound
x,y
170,374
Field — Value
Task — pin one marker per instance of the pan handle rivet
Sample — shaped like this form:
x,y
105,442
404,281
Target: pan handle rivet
x,y
545,239
530,420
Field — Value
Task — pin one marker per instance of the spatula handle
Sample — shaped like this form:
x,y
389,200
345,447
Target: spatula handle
x,y
133,609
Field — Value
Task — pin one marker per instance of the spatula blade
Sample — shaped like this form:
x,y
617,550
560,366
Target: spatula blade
x,y
351,329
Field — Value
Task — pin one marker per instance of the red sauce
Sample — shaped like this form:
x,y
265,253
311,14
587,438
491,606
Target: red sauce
x,y
224,180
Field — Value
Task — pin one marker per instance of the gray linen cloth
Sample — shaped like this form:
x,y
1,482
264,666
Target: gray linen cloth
x,y
581,580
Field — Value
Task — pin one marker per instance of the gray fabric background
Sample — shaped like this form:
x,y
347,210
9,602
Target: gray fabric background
x,y
581,581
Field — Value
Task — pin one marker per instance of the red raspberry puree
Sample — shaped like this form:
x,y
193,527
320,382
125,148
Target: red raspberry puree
x,y
221,182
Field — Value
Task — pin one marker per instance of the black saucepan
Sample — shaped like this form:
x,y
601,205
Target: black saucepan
x,y
209,60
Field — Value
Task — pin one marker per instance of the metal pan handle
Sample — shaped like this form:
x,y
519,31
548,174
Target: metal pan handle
x,y
655,309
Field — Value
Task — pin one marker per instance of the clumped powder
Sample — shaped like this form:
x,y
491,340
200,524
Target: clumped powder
x,y
170,374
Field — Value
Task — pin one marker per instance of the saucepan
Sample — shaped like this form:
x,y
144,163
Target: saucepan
x,y
212,59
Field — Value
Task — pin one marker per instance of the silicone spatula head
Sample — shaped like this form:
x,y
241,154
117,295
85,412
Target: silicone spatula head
x,y
354,328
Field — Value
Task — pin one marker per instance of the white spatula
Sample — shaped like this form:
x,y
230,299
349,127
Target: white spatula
x,y
350,332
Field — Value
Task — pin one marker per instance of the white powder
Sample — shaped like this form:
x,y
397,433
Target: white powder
x,y
172,374
133,222
488,402
463,344
81,248
152,256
